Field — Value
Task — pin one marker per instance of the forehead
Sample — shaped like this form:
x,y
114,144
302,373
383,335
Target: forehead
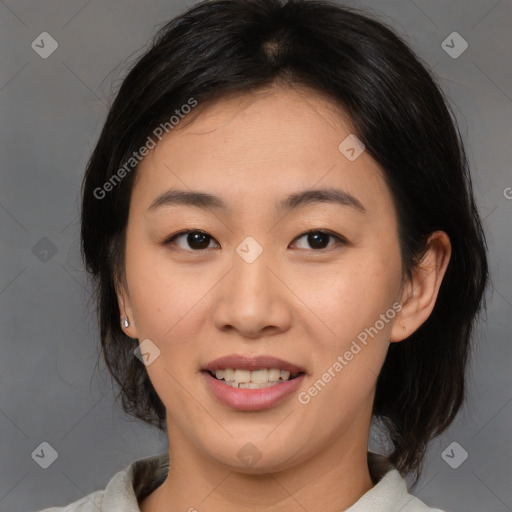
x,y
273,119
263,145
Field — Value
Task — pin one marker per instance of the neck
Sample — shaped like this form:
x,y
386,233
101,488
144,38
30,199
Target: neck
x,y
328,481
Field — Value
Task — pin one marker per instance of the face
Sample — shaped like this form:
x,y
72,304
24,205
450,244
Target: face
x,y
238,277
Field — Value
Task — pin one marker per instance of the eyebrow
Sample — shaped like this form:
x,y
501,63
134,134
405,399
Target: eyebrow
x,y
294,201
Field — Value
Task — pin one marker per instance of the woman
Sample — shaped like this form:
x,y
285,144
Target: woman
x,y
279,219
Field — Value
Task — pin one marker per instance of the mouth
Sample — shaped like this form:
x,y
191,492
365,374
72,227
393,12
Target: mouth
x,y
256,383
261,378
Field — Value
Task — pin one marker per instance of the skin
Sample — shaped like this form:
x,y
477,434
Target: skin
x,y
295,301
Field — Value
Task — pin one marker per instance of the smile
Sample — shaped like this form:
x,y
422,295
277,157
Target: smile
x,y
255,379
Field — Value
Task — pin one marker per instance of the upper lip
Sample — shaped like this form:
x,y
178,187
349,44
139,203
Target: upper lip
x,y
236,361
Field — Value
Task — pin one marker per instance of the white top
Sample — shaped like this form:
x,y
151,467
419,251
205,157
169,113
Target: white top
x,y
141,477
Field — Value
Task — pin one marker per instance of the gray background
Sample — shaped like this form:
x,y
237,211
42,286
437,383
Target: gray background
x,y
51,112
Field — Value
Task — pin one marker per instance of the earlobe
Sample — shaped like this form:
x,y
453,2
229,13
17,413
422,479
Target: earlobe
x,y
420,293
127,320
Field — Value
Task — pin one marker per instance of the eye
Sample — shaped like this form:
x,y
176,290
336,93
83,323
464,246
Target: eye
x,y
319,239
200,240
197,240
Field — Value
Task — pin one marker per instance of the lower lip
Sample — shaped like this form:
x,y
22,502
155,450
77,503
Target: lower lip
x,y
252,399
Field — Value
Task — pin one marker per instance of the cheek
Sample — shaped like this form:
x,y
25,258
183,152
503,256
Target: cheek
x,y
357,307
164,299
350,296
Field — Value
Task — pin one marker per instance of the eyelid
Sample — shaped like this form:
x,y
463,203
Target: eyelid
x,y
170,239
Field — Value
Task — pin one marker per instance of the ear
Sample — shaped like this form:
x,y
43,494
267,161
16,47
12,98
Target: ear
x,y
419,294
125,308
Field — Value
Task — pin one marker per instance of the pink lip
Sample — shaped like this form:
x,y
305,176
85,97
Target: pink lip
x,y
251,399
251,363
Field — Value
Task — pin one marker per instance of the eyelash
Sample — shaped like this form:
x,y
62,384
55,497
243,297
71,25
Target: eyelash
x,y
168,241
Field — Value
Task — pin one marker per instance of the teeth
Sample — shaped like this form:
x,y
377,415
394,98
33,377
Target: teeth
x,y
256,379
259,376
274,375
242,376
229,374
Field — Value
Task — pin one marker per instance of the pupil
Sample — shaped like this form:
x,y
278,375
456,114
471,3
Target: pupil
x,y
313,240
198,239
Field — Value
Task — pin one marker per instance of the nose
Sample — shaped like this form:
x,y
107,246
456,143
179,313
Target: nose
x,y
252,300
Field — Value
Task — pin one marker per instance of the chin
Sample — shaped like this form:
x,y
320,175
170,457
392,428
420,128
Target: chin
x,y
258,458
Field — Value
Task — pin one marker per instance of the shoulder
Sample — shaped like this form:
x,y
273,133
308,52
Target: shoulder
x,y
390,492
407,502
89,503
392,489
125,488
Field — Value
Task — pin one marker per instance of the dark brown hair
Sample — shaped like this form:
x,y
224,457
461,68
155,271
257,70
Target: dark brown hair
x,y
218,47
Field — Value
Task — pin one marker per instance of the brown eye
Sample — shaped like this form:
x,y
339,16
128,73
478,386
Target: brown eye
x,y
319,240
196,240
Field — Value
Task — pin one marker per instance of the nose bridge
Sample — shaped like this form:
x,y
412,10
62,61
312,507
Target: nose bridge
x,y
251,279
251,297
